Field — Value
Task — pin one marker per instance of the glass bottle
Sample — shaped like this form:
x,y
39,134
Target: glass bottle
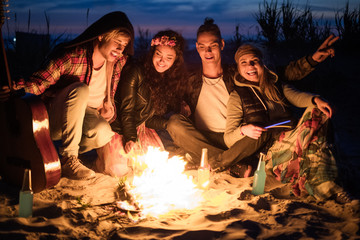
x,y
26,196
204,170
259,177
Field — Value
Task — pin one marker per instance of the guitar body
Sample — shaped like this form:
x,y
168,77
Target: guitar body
x,y
25,143
24,134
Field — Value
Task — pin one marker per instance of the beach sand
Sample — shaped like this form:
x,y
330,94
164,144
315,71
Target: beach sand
x,y
86,209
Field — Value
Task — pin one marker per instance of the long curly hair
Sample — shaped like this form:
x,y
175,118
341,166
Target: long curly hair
x,y
167,88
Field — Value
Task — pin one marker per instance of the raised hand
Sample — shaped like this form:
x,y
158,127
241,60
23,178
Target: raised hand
x,y
326,49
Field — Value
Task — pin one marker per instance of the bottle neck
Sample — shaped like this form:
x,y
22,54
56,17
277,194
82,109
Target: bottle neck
x,y
26,186
261,163
204,159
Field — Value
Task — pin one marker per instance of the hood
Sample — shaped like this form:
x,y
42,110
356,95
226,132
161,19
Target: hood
x,y
109,22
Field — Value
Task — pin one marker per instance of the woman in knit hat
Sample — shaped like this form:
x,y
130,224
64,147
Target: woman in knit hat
x,y
258,113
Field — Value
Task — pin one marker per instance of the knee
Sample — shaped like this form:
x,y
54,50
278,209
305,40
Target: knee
x,y
79,91
101,134
176,123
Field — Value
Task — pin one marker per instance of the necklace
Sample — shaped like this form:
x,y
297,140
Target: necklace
x,y
206,80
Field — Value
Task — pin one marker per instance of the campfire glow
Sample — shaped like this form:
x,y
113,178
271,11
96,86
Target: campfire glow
x,y
160,184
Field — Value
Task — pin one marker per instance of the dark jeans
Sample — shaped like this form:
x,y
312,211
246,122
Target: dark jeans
x,y
192,140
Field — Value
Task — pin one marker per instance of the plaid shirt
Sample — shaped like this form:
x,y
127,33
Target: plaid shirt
x,y
75,65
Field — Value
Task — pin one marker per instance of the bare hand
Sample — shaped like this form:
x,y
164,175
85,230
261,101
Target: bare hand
x,y
252,131
107,111
185,109
4,93
129,146
324,106
325,49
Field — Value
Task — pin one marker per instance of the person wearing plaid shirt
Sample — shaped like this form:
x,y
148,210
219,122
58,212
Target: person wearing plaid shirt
x,y
78,82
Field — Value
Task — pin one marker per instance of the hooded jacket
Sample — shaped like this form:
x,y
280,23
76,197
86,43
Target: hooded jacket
x,y
253,107
72,61
111,21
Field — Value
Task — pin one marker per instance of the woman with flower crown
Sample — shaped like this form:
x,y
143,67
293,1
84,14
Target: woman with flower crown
x,y
149,90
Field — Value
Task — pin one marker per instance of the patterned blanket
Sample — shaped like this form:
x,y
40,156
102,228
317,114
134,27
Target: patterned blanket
x,y
304,158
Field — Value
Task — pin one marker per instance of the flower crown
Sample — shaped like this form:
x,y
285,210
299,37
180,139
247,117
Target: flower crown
x,y
164,41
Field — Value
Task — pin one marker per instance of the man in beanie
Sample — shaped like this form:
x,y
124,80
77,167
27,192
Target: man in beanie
x,y
210,87
77,83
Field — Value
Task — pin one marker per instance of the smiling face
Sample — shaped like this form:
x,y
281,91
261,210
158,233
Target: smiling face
x,y
209,47
250,67
163,58
112,48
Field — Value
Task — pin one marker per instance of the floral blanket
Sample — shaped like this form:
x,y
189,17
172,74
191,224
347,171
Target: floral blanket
x,y
304,158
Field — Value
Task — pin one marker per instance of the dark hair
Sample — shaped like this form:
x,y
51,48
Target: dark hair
x,y
210,27
109,22
167,88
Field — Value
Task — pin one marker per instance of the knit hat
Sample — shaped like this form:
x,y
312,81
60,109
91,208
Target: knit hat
x,y
250,49
111,21
247,49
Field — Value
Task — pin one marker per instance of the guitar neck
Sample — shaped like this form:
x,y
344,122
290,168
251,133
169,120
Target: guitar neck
x,y
4,68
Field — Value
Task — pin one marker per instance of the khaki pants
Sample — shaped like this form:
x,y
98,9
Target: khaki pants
x,y
79,127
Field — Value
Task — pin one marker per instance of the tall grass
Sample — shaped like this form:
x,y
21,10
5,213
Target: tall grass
x,y
142,43
268,18
290,25
348,26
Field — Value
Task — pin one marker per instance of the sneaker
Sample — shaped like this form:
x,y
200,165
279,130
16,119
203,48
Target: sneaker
x,y
342,197
241,170
74,169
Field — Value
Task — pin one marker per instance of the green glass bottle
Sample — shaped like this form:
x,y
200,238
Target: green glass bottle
x,y
259,177
26,196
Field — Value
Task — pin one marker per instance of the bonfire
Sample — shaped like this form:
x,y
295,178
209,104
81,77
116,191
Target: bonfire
x,y
159,185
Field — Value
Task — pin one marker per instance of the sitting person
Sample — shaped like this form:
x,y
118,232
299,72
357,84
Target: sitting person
x,y
148,91
300,156
208,94
77,83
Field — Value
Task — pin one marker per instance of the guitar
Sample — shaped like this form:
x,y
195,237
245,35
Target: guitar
x,y
25,139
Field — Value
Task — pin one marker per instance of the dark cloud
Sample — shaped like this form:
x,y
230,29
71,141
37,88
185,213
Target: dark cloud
x,y
185,16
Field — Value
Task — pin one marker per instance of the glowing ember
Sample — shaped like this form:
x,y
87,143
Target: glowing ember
x,y
160,184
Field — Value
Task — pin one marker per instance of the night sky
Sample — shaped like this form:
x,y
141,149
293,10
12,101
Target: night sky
x,y
70,16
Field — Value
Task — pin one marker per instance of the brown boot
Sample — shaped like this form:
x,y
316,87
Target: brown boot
x,y
72,168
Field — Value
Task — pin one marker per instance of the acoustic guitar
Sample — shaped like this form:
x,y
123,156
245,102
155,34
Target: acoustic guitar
x,y
24,135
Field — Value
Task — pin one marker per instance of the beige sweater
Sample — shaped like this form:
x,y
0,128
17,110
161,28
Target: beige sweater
x,y
234,119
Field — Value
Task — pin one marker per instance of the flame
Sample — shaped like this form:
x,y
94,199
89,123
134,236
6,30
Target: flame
x,y
159,184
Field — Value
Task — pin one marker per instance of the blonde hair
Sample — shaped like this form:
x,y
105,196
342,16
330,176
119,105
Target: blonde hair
x,y
115,34
266,80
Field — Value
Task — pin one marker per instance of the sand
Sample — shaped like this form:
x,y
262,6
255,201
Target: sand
x,y
86,209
